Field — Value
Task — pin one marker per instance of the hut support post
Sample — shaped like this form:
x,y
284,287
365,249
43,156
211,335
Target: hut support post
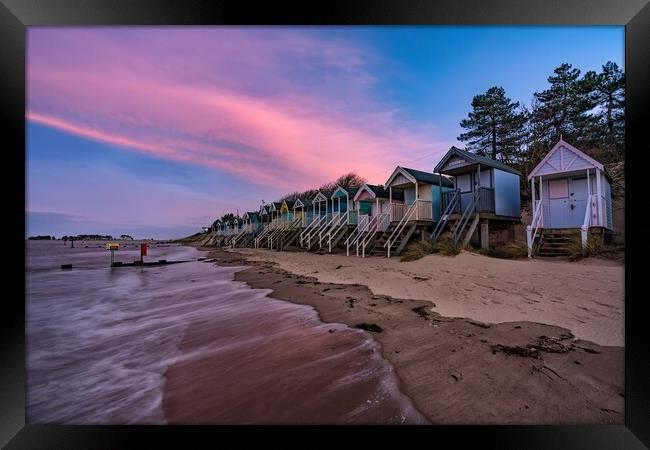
x,y
599,194
485,234
541,200
532,191
440,196
416,201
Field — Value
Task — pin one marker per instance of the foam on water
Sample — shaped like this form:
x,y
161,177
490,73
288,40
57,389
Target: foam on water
x,y
100,340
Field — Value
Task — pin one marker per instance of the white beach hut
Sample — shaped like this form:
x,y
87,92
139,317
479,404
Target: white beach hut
x,y
570,191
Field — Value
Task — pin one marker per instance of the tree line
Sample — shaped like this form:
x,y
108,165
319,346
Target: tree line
x,y
586,110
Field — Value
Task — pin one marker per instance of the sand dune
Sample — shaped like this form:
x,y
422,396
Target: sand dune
x,y
585,297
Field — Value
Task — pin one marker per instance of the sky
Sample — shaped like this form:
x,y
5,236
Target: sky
x,y
157,131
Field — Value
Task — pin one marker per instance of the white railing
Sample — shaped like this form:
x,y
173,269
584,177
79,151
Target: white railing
x,y
279,229
267,229
362,227
397,211
336,228
409,215
306,220
275,237
535,224
363,220
425,210
308,232
379,223
586,223
278,240
325,228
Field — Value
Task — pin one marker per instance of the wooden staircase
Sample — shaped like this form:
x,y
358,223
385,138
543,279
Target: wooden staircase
x,y
378,247
289,238
556,242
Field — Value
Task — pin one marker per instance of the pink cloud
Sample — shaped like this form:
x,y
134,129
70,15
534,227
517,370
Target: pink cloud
x,y
225,99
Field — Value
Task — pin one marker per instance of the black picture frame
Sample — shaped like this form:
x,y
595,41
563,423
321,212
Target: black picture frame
x,y
16,15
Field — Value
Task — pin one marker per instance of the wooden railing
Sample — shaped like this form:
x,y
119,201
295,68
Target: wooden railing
x,y
333,222
377,224
408,215
485,201
353,217
363,220
469,209
533,228
397,211
336,227
587,222
307,233
424,210
452,204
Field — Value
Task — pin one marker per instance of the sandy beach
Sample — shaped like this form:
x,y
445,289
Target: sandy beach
x,y
483,344
585,297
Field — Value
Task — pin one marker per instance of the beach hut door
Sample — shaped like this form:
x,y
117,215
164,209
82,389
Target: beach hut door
x,y
578,200
559,206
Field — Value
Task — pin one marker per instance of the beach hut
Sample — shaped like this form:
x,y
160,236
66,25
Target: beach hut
x,y
286,210
343,199
420,190
571,197
321,204
485,192
250,227
373,205
321,215
372,199
274,212
416,212
302,209
289,229
344,218
266,219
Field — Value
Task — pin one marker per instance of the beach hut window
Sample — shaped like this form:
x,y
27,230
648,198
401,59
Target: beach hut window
x,y
558,188
365,208
486,178
464,182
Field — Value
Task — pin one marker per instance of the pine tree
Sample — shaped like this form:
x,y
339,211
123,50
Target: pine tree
x,y
564,108
495,125
610,97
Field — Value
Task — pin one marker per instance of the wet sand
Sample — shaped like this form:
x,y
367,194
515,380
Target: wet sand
x,y
456,370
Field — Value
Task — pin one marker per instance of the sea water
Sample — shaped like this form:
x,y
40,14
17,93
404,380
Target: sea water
x,y
100,341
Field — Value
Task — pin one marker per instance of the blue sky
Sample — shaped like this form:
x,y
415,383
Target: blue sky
x,y
154,132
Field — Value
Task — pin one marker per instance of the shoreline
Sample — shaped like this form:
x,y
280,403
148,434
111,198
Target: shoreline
x,y
458,370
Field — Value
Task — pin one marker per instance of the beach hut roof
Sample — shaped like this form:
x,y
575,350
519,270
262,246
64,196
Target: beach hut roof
x,y
251,215
417,175
349,191
301,202
574,160
322,196
289,203
472,158
378,191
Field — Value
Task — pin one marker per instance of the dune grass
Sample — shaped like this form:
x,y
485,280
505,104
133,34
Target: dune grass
x,y
594,247
419,249
510,250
